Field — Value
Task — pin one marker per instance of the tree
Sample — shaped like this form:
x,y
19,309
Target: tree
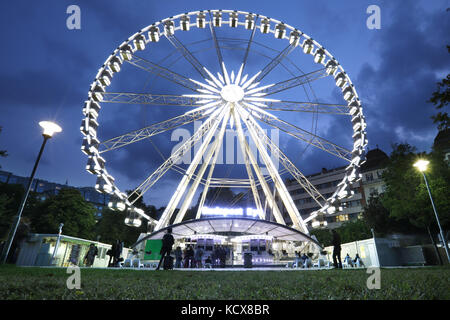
x,y
323,236
68,207
378,217
440,99
350,231
406,196
354,230
111,227
10,198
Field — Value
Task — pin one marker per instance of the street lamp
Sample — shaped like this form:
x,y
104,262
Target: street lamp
x,y
421,165
52,261
49,128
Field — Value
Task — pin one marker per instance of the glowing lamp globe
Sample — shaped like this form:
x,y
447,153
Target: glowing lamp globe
x,y
49,128
421,165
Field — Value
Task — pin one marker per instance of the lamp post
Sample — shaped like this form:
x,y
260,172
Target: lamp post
x,y
421,165
52,261
49,128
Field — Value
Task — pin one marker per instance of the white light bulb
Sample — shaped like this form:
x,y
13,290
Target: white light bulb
x,y
49,128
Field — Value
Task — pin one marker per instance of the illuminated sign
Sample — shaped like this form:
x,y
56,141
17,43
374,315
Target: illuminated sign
x,y
226,212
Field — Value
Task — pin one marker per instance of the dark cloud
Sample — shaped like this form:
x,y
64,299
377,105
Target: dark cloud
x,y
412,56
47,71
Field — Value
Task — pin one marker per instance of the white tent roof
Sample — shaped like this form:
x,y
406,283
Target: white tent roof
x,y
246,226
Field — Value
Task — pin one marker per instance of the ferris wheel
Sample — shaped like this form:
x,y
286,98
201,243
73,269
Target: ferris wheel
x,y
234,82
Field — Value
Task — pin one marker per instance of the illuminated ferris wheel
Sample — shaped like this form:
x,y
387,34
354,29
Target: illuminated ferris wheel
x,y
229,85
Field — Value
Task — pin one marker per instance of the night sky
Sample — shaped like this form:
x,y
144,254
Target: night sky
x,y
47,70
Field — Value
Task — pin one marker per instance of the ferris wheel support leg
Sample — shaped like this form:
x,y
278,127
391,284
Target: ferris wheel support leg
x,y
249,172
282,190
260,176
215,148
165,218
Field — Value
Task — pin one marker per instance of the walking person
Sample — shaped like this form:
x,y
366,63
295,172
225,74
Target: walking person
x,y
189,257
222,256
178,257
198,257
336,249
117,253
90,255
167,243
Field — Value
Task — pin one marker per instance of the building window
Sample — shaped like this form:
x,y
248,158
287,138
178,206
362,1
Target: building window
x,y
379,174
369,176
373,191
342,217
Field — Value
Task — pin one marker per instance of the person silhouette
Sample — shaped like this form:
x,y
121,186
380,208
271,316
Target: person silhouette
x,y
336,249
167,243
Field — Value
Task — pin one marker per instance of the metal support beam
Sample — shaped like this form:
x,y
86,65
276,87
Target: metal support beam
x,y
165,218
216,45
290,167
282,190
248,168
151,99
210,123
298,106
304,135
209,154
187,55
294,82
274,62
154,129
162,72
272,204
250,41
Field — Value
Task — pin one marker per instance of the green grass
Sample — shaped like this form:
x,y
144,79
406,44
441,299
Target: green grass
x,y
50,283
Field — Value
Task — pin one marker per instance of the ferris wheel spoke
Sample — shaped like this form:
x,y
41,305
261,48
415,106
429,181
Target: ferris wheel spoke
x,y
154,129
253,161
249,171
152,99
216,45
298,106
294,82
250,41
210,156
162,72
274,62
303,135
287,164
273,172
187,55
176,197
205,129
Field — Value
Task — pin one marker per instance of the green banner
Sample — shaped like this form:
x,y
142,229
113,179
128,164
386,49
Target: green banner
x,y
152,249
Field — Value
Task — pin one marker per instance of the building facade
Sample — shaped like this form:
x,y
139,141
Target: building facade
x,y
372,171
326,182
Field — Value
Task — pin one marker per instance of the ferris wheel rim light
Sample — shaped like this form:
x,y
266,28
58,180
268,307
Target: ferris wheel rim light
x,y
222,91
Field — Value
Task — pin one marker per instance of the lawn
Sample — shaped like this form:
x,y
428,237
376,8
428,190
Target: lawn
x,y
50,283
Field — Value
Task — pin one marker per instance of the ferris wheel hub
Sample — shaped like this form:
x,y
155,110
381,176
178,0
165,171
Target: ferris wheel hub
x,y
232,93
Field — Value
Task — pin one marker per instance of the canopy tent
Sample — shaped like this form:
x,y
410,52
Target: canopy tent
x,y
245,226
